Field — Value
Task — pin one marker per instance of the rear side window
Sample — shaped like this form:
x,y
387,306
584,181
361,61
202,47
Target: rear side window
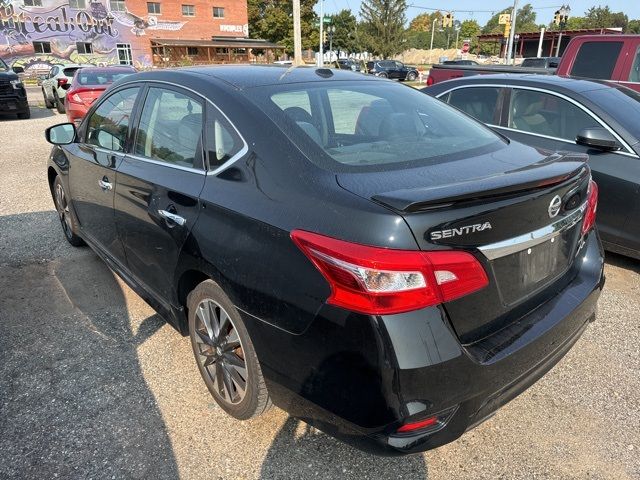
x,y
545,114
596,60
109,124
634,75
70,71
479,102
223,138
170,128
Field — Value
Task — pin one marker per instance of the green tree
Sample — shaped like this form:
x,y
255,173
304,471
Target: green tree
x,y
272,20
420,28
603,17
345,37
633,26
470,29
525,20
383,24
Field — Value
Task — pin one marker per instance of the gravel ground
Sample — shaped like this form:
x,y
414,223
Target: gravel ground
x,y
93,384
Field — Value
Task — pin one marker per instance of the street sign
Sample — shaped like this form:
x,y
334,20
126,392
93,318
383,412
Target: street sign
x,y
504,18
326,19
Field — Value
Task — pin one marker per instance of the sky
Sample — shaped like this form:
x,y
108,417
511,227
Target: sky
x,y
482,11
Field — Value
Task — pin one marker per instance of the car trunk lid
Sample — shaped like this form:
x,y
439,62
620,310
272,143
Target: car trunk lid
x,y
522,223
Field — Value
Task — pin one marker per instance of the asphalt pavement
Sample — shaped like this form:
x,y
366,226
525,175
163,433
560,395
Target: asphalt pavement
x,y
93,384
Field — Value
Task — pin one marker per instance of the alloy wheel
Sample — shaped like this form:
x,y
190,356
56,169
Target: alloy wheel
x,y
220,351
62,206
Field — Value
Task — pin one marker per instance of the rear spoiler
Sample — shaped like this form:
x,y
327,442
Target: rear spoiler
x,y
553,170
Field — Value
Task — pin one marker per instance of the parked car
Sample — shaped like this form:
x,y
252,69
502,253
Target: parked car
x,y
583,116
460,62
392,69
13,96
348,64
56,83
420,272
541,62
87,85
615,58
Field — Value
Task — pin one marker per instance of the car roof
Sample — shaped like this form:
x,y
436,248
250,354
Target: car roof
x,y
248,76
577,85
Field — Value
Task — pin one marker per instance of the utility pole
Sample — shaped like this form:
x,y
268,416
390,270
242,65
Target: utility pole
x,y
433,29
320,51
297,34
513,31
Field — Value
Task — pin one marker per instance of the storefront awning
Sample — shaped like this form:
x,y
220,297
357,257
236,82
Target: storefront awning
x,y
217,43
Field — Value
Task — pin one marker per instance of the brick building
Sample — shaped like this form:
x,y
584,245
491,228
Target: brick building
x,y
35,34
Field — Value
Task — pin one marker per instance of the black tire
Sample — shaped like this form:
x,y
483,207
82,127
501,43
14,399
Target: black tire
x,y
59,104
47,103
411,76
25,116
67,220
219,355
383,75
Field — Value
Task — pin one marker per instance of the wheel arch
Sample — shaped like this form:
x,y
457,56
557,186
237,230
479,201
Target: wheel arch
x,y
51,177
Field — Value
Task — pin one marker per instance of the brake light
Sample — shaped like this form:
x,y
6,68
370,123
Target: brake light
x,y
410,427
592,205
62,81
378,281
430,81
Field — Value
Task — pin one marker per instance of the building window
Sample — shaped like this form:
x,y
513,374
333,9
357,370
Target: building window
x,y
218,12
84,47
153,7
32,3
189,10
124,53
79,4
192,51
117,5
42,47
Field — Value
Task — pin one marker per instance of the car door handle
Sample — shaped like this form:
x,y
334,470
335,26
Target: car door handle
x,y
175,218
105,184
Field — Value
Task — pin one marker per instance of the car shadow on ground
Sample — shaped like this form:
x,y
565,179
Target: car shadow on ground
x,y
301,451
36,112
73,400
621,261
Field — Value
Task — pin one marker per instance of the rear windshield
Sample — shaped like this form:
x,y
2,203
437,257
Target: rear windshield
x,y
70,71
372,124
100,77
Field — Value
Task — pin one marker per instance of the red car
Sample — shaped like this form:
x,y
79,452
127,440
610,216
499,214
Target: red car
x,y
87,85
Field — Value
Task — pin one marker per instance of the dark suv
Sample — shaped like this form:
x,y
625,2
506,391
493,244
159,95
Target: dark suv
x,y
13,96
348,64
392,69
360,254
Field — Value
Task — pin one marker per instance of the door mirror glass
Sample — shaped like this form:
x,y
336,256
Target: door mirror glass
x,y
18,70
597,137
62,134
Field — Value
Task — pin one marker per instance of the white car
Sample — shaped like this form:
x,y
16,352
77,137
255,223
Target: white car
x,y
55,84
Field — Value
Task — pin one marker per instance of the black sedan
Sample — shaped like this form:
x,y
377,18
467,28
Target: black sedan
x,y
583,116
363,256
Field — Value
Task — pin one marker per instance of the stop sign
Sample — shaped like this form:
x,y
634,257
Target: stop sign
x,y
466,45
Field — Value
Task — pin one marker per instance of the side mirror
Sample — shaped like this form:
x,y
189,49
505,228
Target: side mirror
x,y
18,70
62,134
599,138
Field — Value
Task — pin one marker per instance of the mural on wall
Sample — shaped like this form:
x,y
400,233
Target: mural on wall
x,y
54,21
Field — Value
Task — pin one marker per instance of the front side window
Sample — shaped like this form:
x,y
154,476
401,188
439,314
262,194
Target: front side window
x,y
369,125
634,75
596,60
170,128
218,12
117,5
153,8
42,47
479,102
545,114
108,126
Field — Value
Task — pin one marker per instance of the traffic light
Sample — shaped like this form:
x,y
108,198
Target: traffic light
x,y
507,29
557,17
447,20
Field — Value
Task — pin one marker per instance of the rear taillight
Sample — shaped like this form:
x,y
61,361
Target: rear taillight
x,y
380,281
62,81
592,205
430,81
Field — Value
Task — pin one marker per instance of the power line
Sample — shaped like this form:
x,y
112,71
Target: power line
x,y
473,11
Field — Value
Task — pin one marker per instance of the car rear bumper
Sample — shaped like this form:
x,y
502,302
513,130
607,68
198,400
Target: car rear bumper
x,y
361,384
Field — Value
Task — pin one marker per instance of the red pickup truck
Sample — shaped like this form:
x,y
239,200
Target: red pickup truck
x,y
615,58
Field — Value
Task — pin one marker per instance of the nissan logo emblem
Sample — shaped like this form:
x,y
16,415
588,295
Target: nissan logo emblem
x,y
554,206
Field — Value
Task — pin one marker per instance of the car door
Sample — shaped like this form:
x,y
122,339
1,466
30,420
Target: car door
x,y
92,171
158,186
551,121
